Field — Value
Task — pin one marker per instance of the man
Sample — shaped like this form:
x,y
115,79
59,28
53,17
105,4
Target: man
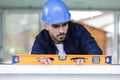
x,y
62,36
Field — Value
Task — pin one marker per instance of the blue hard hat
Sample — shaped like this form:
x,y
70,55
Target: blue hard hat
x,y
55,11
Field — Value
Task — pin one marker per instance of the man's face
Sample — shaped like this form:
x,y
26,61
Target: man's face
x,y
57,31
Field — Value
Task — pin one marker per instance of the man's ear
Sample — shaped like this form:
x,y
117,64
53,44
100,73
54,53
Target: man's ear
x,y
45,26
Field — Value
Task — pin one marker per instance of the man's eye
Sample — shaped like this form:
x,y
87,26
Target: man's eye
x,y
64,24
55,26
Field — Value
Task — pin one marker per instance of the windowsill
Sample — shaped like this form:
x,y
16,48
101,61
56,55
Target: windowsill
x,y
59,69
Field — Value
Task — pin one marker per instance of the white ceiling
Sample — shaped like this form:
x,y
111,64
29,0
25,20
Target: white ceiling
x,y
72,4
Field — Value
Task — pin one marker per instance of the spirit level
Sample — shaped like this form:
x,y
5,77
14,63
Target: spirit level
x,y
62,59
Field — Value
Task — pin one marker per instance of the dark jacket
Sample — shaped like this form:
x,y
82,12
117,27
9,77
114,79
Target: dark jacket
x,y
77,41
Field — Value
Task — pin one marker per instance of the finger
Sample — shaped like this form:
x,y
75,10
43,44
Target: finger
x,y
72,60
49,61
85,60
81,61
45,61
40,59
77,61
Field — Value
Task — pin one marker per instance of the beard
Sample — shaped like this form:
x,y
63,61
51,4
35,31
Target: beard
x,y
59,38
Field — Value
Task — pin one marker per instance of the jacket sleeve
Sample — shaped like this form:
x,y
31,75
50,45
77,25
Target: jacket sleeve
x,y
88,43
37,47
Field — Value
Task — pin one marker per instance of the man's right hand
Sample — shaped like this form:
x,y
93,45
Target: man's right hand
x,y
45,60
79,60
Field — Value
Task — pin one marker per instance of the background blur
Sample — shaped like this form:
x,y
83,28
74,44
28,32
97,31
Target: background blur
x,y
20,23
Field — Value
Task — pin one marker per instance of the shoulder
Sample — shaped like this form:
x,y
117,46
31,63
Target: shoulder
x,y
43,38
43,35
74,23
76,27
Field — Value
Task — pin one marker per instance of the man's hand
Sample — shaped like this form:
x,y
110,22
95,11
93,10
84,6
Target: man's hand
x,y
79,60
49,60
45,60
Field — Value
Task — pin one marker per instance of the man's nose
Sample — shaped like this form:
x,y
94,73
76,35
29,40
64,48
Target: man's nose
x,y
61,29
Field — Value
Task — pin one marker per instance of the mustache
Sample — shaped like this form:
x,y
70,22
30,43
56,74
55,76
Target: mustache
x,y
61,34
